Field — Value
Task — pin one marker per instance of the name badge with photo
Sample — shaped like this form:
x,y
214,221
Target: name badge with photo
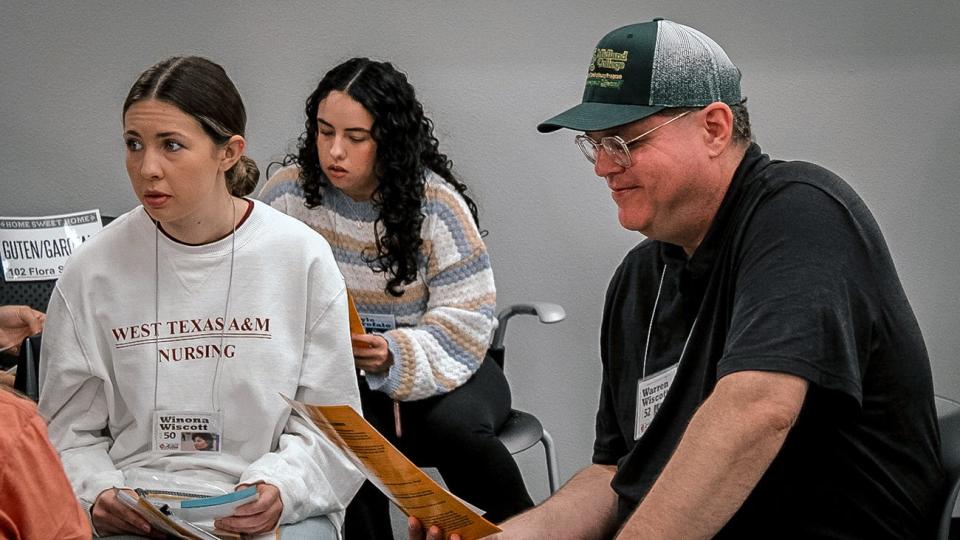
x,y
651,391
186,432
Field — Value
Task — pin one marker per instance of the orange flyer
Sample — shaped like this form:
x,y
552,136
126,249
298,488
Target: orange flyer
x,y
356,325
414,493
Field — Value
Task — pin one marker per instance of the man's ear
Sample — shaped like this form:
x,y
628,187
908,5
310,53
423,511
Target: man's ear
x,y
232,151
718,124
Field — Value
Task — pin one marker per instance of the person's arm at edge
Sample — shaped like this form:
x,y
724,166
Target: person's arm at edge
x,y
725,450
588,493
33,477
16,323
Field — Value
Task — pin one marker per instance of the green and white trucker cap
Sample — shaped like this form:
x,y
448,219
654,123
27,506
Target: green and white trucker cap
x,y
641,69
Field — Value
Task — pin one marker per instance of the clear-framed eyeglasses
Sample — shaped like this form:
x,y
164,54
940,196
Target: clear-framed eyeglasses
x,y
615,147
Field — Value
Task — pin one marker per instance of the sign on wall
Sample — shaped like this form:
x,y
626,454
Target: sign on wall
x,y
36,248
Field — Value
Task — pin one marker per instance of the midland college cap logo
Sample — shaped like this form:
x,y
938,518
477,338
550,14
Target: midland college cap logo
x,y
611,61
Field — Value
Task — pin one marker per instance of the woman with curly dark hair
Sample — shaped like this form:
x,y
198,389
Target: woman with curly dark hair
x,y
369,177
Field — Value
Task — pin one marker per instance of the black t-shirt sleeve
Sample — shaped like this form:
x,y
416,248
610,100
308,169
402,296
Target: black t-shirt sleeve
x,y
608,444
802,298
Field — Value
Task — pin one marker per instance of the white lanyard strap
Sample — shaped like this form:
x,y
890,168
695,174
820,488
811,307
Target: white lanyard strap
x,y
653,314
215,387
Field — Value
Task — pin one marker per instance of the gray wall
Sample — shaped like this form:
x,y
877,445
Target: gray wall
x,y
868,89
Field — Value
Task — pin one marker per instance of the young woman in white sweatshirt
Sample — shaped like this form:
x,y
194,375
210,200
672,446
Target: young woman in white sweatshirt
x,y
193,313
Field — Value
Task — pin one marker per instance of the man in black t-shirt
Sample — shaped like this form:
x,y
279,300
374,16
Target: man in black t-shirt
x,y
763,373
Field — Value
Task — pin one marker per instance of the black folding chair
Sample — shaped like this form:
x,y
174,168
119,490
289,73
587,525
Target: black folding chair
x,y
522,429
28,368
948,415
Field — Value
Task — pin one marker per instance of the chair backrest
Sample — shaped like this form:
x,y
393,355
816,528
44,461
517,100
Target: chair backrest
x,y
948,414
28,368
35,294
546,312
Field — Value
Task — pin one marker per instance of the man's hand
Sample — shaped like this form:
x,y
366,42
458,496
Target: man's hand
x,y
371,353
255,517
584,508
16,324
416,532
110,516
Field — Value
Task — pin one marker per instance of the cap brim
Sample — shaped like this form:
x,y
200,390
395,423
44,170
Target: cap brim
x,y
597,116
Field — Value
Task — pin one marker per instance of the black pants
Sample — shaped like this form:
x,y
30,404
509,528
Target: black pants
x,y
456,433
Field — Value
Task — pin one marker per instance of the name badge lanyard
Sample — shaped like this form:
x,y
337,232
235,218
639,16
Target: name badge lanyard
x,y
653,314
664,376
215,387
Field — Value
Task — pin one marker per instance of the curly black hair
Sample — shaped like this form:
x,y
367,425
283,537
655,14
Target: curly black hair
x,y
406,149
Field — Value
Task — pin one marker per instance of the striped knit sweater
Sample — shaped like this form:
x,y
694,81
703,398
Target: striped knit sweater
x,y
445,318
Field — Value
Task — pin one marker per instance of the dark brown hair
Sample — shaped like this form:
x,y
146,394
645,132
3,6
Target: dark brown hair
x,y
201,88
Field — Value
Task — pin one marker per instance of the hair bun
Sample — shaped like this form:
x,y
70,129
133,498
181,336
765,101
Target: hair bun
x,y
242,178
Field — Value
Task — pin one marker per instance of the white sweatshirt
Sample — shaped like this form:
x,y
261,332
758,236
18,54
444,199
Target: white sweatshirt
x,y
105,354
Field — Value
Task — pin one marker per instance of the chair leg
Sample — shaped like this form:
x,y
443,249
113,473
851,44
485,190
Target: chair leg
x,y
552,468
